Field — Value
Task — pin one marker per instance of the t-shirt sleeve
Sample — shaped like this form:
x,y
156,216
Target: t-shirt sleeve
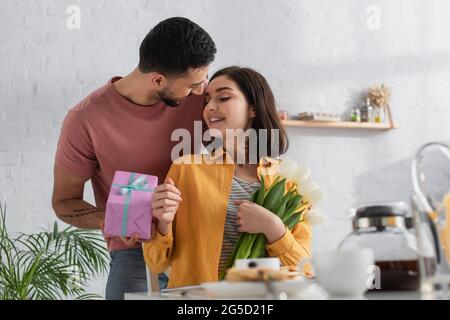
x,y
75,152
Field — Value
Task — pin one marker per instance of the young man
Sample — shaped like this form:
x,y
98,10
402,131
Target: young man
x,y
127,125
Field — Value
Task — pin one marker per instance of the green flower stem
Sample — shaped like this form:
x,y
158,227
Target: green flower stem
x,y
274,196
292,221
260,194
278,201
259,247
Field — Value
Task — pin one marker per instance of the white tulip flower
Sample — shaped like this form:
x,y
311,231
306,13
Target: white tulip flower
x,y
307,186
287,168
316,196
301,174
311,191
314,216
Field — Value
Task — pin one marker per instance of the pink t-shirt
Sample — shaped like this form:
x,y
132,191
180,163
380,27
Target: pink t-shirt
x,y
106,132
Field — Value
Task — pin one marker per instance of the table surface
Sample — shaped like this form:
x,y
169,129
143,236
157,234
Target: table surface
x,y
375,295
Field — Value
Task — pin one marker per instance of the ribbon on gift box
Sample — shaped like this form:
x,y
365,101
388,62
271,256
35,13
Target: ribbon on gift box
x,y
139,184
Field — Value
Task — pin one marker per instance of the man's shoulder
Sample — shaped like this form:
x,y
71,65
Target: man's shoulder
x,y
93,101
194,101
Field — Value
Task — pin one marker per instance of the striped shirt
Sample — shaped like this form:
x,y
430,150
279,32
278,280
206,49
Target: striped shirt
x,y
240,190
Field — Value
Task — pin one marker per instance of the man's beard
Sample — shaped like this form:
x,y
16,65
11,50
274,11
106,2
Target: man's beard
x,y
171,102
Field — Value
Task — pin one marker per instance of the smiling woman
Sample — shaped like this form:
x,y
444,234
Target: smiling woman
x,y
203,206
241,99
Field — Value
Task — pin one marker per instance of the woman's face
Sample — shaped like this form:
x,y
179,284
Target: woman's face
x,y
226,106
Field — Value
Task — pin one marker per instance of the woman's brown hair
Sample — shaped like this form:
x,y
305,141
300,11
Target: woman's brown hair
x,y
259,95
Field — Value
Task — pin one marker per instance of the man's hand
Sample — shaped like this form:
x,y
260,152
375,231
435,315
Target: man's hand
x,y
165,202
129,241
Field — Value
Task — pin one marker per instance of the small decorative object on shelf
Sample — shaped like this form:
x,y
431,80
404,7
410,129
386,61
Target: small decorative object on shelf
x,y
319,116
355,115
378,115
366,111
379,97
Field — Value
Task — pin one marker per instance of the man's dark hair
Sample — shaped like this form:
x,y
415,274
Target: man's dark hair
x,y
174,46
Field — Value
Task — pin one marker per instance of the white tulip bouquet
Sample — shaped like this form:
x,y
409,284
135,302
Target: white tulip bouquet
x,y
291,194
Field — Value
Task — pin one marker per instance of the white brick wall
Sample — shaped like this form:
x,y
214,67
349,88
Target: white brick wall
x,y
316,54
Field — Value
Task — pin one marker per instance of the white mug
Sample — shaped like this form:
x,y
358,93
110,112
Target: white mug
x,y
343,273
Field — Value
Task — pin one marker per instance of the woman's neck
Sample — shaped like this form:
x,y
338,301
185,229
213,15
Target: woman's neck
x,y
243,169
246,172
237,152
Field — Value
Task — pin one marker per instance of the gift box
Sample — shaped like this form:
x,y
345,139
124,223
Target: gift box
x,y
128,209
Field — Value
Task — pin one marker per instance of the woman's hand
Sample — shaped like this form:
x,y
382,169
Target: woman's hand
x,y
253,218
165,201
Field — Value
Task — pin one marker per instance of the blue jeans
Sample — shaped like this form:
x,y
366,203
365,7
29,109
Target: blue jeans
x,y
127,274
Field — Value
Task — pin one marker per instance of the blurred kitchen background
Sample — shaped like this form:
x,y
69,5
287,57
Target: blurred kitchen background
x,y
317,55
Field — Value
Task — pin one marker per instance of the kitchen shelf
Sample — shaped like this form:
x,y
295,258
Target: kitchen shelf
x,y
338,125
388,125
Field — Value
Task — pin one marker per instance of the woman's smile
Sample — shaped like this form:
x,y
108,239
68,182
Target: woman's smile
x,y
213,120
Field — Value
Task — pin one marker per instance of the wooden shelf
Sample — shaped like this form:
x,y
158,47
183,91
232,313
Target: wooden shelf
x,y
338,125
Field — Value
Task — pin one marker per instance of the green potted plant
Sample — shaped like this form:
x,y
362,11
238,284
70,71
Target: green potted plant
x,y
49,265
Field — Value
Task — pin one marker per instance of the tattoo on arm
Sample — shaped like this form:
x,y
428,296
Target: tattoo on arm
x,y
81,212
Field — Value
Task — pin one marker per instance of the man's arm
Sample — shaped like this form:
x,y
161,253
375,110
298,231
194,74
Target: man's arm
x,y
68,203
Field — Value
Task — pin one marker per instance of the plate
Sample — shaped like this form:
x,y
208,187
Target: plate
x,y
255,289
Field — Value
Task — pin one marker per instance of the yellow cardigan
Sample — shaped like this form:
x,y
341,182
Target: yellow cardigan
x,y
193,247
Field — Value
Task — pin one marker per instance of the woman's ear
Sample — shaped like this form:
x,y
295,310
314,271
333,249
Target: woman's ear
x,y
252,112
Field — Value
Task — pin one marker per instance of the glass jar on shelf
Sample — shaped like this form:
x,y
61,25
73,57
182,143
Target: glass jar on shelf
x,y
355,115
378,114
366,111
